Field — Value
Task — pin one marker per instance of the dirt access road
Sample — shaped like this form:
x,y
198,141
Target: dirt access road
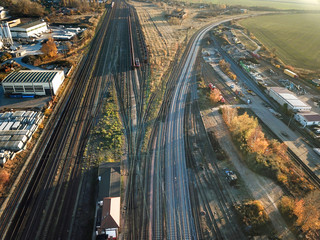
x,y
261,188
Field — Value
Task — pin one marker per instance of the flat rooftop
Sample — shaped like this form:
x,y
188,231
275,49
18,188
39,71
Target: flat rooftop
x,y
289,97
32,76
30,24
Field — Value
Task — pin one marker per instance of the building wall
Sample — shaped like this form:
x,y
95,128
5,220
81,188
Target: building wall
x,y
305,122
276,97
57,81
282,101
29,32
26,88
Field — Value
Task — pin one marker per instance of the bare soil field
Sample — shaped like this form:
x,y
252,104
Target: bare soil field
x,y
163,39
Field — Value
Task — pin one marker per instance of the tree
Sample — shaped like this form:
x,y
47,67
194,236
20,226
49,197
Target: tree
x,y
49,48
228,114
4,178
256,140
215,95
307,211
27,8
286,207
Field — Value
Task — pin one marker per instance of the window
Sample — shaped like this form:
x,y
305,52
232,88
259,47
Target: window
x,y
18,88
28,88
38,88
8,88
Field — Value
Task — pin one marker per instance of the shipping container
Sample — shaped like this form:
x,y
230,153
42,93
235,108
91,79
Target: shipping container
x,y
290,73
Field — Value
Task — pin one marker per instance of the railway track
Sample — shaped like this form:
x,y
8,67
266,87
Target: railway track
x,y
219,213
211,77
61,154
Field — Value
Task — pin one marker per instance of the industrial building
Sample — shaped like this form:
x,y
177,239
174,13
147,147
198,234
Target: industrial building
x,y
308,119
108,221
30,29
5,34
38,82
284,96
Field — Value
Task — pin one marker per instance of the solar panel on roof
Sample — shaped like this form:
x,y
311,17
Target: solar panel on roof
x,y
31,76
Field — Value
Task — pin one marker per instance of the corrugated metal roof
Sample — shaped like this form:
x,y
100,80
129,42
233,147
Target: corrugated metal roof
x,y
30,77
30,24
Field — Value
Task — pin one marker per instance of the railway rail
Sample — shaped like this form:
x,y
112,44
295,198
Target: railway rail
x,y
59,154
206,179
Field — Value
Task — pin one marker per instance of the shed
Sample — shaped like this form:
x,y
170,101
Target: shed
x,y
308,119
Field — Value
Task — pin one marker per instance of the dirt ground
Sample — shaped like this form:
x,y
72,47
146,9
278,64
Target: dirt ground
x,y
164,39
261,188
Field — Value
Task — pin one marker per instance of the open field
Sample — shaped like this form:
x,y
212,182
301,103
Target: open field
x,y
295,37
278,4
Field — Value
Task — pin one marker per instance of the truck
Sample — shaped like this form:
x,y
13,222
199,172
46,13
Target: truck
x,y
251,92
136,62
231,177
290,73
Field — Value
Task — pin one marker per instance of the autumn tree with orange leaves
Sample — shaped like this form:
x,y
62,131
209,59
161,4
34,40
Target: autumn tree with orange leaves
x,y
215,95
307,211
49,48
4,178
269,157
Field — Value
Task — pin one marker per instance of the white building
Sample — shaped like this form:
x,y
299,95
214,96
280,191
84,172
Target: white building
x,y
284,96
36,82
308,119
30,29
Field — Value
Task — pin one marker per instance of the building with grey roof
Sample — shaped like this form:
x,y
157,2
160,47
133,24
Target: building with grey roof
x,y
284,96
308,119
30,29
46,82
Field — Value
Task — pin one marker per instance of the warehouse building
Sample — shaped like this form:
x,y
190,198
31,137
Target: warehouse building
x,y
30,29
284,96
308,119
36,82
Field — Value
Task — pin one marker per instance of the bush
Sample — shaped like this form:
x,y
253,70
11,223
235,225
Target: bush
x,y
267,157
286,207
252,214
4,178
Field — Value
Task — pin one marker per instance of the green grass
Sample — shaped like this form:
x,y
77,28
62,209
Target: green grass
x,y
296,37
278,4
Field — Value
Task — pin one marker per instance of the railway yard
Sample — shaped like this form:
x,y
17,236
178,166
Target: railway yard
x,y
182,175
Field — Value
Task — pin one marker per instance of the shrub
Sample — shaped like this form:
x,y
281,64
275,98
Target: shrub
x,y
4,178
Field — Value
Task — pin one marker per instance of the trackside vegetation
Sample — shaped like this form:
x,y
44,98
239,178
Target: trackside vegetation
x,y
303,214
106,139
265,156
252,214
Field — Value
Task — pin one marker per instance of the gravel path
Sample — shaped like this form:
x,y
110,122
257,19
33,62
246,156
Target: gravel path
x,y
261,188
